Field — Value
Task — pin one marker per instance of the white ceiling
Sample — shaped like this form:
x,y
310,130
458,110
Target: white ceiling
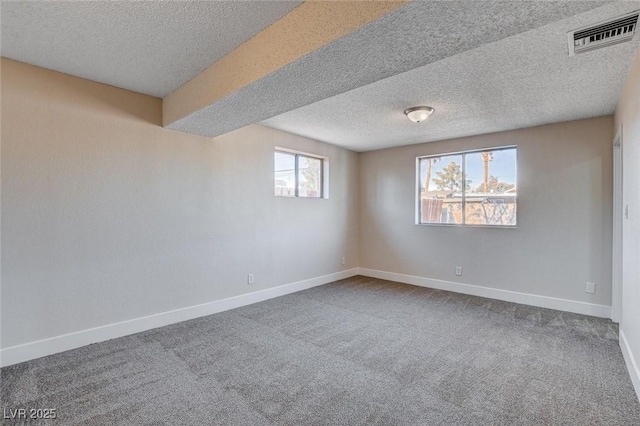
x,y
151,47
420,33
485,66
523,80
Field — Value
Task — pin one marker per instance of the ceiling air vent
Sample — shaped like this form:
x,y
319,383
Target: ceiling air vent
x,y
609,33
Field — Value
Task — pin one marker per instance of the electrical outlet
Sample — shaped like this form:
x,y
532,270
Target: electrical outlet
x,y
344,260
459,270
250,279
590,287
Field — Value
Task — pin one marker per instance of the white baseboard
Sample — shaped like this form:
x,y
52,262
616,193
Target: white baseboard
x,y
25,352
630,360
65,342
591,309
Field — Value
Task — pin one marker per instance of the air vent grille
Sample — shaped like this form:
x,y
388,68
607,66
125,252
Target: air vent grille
x,y
607,34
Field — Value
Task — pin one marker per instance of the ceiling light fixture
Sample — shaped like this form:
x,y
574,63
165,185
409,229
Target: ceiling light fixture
x,y
418,113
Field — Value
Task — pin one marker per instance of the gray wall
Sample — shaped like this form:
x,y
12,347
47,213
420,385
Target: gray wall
x,y
106,216
563,238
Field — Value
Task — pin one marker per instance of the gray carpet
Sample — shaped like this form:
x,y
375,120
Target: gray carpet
x,y
358,351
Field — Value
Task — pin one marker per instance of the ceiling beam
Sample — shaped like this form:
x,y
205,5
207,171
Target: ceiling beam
x,y
305,29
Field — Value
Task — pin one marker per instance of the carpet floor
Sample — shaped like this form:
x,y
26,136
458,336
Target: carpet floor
x,y
354,352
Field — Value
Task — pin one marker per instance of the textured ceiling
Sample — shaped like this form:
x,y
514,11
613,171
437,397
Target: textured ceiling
x,y
150,47
523,80
417,34
485,66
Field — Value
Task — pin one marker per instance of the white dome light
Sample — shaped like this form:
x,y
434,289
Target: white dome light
x,y
419,113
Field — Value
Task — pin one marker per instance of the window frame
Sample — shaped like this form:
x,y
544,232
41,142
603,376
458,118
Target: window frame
x,y
463,153
324,173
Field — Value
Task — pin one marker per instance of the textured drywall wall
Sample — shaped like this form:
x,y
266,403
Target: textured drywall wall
x,y
563,237
107,216
628,116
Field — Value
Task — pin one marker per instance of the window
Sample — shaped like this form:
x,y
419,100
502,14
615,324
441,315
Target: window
x,y
298,174
468,188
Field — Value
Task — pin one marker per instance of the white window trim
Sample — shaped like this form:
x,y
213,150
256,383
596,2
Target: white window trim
x,y
471,151
325,172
